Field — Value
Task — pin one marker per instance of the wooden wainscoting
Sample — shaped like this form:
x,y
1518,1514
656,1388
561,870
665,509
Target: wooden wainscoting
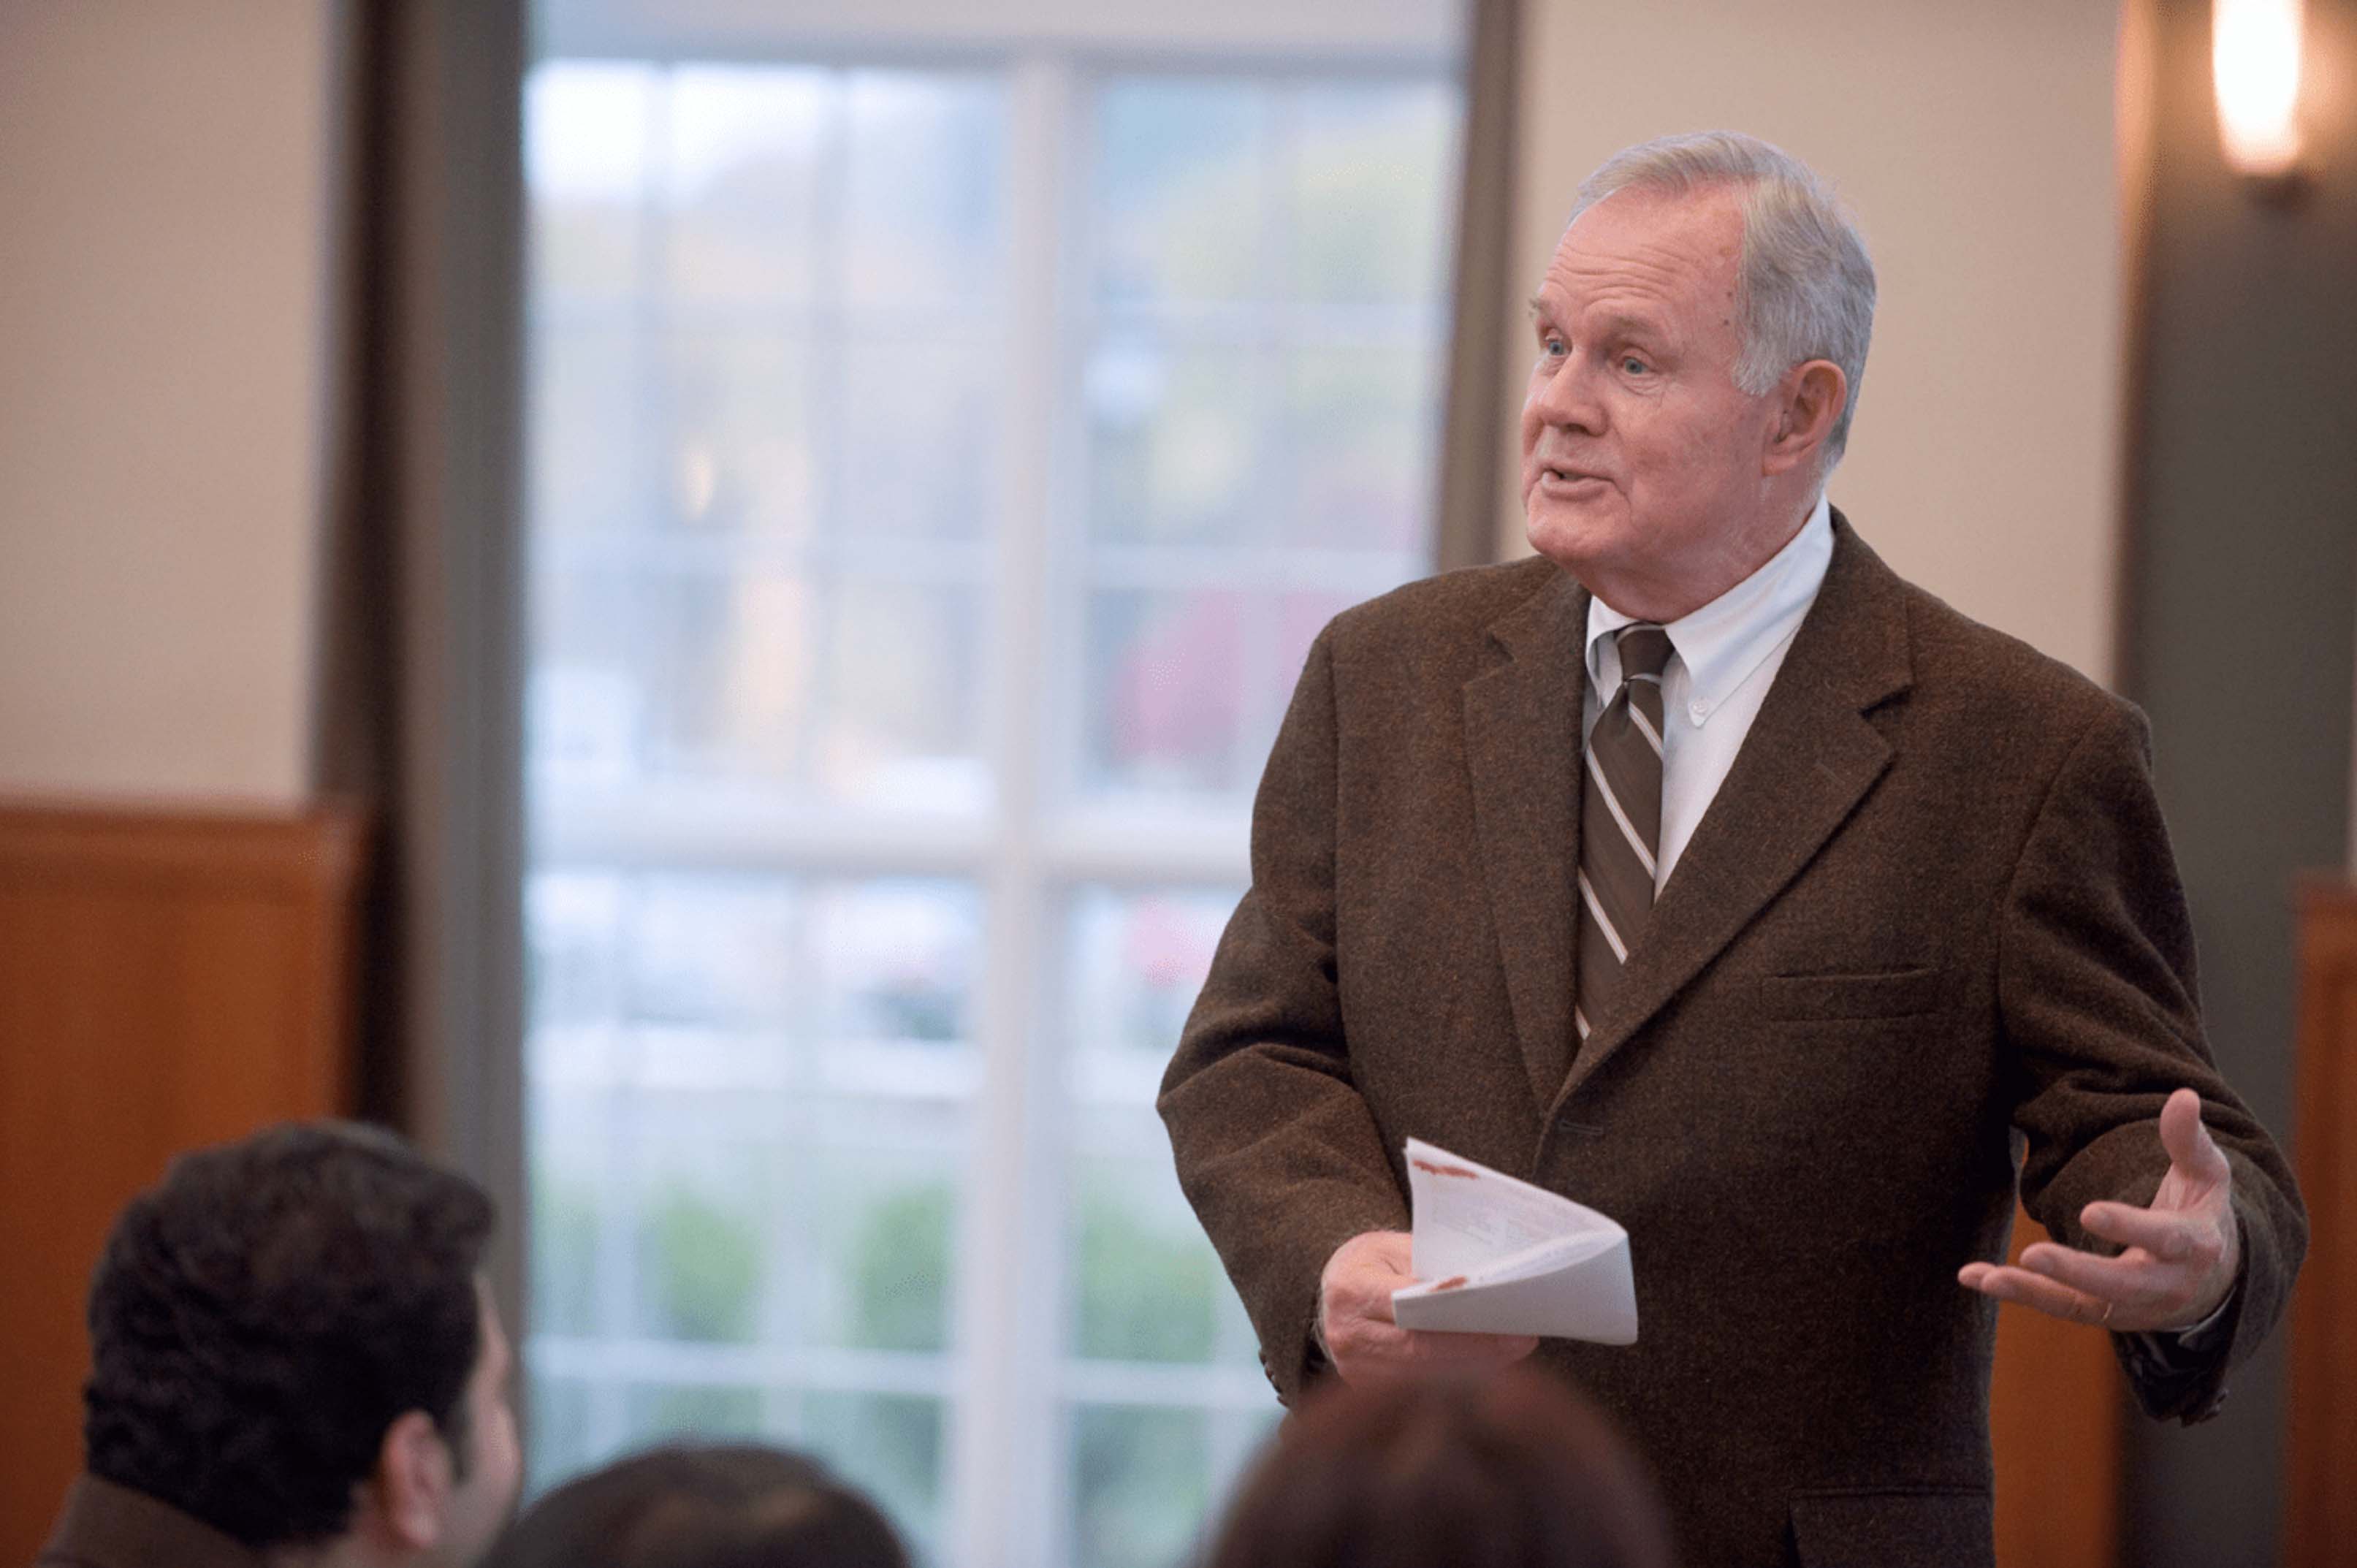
x,y
167,979
2321,1453
2055,1417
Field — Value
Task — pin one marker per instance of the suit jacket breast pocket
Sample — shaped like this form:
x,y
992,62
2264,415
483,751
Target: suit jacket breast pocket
x,y
1857,994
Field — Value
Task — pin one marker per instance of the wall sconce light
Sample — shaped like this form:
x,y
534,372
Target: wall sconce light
x,y
2254,57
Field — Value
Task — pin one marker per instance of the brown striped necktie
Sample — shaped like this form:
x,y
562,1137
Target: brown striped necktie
x,y
1621,820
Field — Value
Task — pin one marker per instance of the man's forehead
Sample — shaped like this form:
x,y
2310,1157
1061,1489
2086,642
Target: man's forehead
x,y
1636,247
1614,317
1715,209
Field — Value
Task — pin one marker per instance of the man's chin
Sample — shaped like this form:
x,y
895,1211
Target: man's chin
x,y
1571,537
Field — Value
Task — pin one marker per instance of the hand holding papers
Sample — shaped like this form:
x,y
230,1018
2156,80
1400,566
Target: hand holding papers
x,y
1494,1255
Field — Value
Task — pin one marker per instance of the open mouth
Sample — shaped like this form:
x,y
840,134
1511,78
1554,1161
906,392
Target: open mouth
x,y
1571,475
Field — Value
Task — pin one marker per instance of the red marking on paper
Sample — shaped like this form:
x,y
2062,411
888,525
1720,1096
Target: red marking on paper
x,y
1451,1283
1446,1170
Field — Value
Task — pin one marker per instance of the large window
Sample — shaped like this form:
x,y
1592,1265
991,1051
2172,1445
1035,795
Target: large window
x,y
937,473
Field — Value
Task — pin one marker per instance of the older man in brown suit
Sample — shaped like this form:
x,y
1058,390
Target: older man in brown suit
x,y
1703,870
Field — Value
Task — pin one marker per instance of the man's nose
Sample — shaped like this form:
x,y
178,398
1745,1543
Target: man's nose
x,y
1567,398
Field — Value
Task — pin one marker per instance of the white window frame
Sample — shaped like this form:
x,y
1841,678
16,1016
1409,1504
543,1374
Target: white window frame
x,y
1009,1375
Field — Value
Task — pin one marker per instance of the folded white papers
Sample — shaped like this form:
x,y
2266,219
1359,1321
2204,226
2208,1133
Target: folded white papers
x,y
1494,1255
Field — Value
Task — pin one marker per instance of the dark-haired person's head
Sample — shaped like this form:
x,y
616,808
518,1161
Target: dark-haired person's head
x,y
737,1506
291,1345
1510,1471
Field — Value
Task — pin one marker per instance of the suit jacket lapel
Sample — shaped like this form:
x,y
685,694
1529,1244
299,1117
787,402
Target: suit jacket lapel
x,y
1809,759
1521,719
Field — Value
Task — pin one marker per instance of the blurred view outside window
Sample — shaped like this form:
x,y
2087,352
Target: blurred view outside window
x,y
937,476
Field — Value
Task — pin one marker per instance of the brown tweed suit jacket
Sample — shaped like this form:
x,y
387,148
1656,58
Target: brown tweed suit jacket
x,y
1931,917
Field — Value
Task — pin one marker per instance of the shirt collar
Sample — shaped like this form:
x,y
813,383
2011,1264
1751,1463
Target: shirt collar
x,y
1724,641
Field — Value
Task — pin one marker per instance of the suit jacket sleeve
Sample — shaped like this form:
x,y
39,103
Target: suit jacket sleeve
x,y
1274,1147
2101,1023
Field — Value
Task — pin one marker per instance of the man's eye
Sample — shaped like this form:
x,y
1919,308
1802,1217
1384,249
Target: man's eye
x,y
1633,365
1551,346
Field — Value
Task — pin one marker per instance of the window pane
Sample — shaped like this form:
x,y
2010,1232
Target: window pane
x,y
711,978
584,694
1144,1290
1360,455
889,1446
762,386
727,676
1141,1485
1135,962
924,197
1145,1280
1186,690
920,460
1167,700
740,184
744,1218
1174,441
586,132
1186,443
1180,189
573,922
560,1444
873,1272
903,668
586,403
1261,426
896,964
745,1204
740,454
712,950
667,1411
1372,187
684,669
703,1237
565,1217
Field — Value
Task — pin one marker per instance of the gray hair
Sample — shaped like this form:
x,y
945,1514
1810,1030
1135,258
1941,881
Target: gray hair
x,y
1806,288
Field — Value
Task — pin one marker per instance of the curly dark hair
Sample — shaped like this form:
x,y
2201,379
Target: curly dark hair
x,y
261,1316
1516,1471
729,1505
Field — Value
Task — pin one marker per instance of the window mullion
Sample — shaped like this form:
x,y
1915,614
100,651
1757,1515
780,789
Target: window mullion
x,y
1002,1439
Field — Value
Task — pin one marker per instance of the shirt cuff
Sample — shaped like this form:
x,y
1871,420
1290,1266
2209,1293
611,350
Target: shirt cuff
x,y
2169,1347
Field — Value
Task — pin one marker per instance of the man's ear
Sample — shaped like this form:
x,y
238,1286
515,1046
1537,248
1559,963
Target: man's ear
x,y
1813,396
404,1506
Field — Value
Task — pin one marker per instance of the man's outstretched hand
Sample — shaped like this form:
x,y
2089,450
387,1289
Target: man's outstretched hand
x,y
1354,1312
2182,1252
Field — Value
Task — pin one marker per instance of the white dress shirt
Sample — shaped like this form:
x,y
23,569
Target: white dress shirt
x,y
1724,657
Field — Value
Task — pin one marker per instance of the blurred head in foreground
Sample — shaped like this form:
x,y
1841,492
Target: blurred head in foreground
x,y
731,1507
1510,1471
293,1347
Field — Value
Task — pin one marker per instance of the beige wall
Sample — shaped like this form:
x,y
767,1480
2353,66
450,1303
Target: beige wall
x,y
1977,143
162,279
